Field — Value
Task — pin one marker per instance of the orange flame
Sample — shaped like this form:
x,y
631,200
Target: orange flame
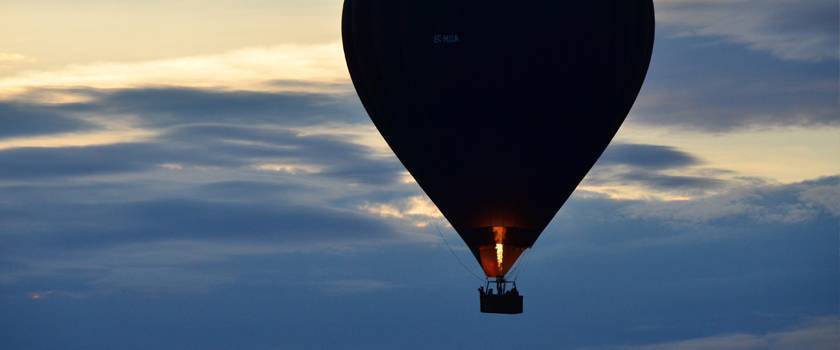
x,y
499,236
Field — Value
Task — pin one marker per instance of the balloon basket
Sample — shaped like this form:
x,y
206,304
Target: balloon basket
x,y
502,300
502,304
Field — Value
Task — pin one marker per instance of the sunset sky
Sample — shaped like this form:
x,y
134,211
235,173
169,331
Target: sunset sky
x,y
201,175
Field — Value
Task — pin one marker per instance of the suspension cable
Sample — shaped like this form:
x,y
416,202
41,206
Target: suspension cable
x,y
517,271
440,233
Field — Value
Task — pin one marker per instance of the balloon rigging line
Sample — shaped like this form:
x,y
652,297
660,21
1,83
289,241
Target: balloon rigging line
x,y
517,271
455,255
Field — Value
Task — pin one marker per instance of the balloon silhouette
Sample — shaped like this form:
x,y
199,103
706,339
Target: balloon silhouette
x,y
498,108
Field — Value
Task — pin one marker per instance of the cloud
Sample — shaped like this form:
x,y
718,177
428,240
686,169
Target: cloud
x,y
704,86
11,62
173,106
714,102
31,163
711,72
758,202
204,128
108,236
221,175
663,181
825,196
647,156
416,210
247,68
818,334
285,152
20,119
192,219
789,29
628,170
743,213
239,189
96,117
11,58
274,198
332,156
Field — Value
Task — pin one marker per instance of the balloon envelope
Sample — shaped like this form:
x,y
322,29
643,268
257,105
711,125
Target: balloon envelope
x,y
498,108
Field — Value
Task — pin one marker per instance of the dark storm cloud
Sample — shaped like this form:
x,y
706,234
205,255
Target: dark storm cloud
x,y
21,119
647,156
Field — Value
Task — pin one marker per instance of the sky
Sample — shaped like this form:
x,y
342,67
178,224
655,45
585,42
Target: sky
x,y
201,175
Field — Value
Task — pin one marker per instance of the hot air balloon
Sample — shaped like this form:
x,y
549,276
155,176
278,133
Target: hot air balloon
x,y
498,108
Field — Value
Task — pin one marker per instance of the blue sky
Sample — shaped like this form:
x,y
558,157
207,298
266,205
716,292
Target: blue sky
x,y
233,194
